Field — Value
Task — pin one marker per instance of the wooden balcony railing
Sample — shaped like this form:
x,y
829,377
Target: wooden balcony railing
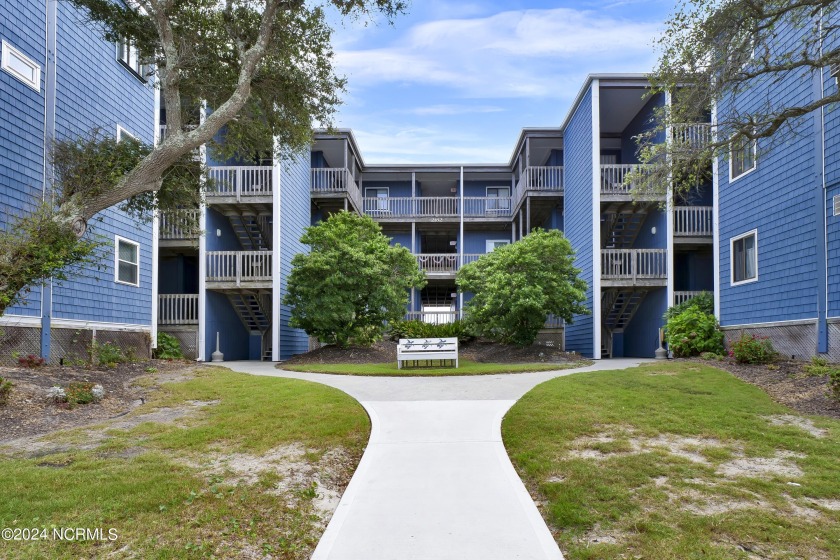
x,y
438,263
613,177
633,264
682,297
178,224
538,178
238,266
471,257
433,317
487,206
691,135
693,221
240,181
411,207
178,309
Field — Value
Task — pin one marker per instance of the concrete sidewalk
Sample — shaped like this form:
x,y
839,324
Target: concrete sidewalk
x,y
435,482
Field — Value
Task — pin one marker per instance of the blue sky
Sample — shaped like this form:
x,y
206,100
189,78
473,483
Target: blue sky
x,y
456,81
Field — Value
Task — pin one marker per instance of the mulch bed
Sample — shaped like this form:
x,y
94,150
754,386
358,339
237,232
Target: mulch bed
x,y
477,350
28,413
787,383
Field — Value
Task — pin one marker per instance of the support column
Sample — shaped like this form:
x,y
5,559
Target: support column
x,y
49,134
669,219
461,242
201,354
276,255
528,215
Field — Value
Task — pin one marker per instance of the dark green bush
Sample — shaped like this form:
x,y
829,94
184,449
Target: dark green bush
x,y
693,332
419,329
109,354
834,383
704,301
752,349
5,390
168,347
79,392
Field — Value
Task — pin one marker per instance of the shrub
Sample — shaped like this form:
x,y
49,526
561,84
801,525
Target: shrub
x,y
168,347
704,301
109,354
834,383
5,390
31,361
80,392
752,349
818,366
419,329
694,332
712,356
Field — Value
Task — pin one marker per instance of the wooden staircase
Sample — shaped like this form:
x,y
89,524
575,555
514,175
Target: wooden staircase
x,y
254,310
620,229
253,231
618,306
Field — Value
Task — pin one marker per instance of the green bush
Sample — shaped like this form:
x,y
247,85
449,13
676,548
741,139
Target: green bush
x,y
168,347
693,332
704,301
109,354
5,390
752,349
818,366
712,356
834,383
79,392
419,329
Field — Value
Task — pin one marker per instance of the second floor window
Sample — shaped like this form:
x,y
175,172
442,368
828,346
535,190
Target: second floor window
x,y
127,54
742,158
127,262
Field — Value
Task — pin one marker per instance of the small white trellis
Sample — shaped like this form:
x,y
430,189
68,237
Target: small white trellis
x,y
426,349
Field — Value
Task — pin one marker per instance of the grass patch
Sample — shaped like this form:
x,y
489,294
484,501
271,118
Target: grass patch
x,y
676,460
148,481
465,367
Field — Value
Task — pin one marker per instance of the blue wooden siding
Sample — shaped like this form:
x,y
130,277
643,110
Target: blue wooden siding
x,y
479,188
395,188
578,140
832,181
294,209
216,224
641,336
93,90
642,122
778,200
22,126
649,240
475,242
220,317
694,271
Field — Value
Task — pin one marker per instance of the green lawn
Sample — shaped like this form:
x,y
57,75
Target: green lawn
x,y
465,367
156,483
677,460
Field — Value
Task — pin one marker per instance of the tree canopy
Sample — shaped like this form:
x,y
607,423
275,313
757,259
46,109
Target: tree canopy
x,y
714,50
351,283
517,286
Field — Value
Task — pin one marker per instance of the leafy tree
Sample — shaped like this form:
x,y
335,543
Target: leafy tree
x,y
263,69
517,286
351,283
713,50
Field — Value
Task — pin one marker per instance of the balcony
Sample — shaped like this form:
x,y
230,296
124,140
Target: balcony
x,y
401,208
692,224
237,183
544,180
178,227
634,267
613,185
682,297
236,269
442,264
487,207
178,309
334,182
691,136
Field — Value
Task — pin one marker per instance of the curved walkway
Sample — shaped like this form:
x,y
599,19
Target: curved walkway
x,y
435,482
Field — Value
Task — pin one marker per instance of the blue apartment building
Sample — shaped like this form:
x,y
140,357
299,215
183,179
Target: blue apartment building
x,y
59,79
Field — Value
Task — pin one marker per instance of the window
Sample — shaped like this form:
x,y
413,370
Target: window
x,y
21,66
381,196
836,203
502,204
127,54
493,244
742,156
744,256
127,262
121,132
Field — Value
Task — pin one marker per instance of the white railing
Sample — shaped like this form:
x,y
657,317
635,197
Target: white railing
x,y
238,266
487,206
682,297
240,181
693,221
334,180
433,317
471,257
178,309
538,178
632,264
443,262
692,135
178,224
411,207
552,322
613,176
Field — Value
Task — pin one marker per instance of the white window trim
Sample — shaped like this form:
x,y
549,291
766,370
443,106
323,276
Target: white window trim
x,y
748,171
488,187
9,51
117,240
121,131
488,244
386,189
732,241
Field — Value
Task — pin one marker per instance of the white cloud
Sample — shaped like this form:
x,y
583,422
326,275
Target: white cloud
x,y
509,54
453,109
384,143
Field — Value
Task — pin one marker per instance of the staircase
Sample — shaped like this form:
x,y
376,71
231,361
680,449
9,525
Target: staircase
x,y
254,310
253,232
618,306
620,229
